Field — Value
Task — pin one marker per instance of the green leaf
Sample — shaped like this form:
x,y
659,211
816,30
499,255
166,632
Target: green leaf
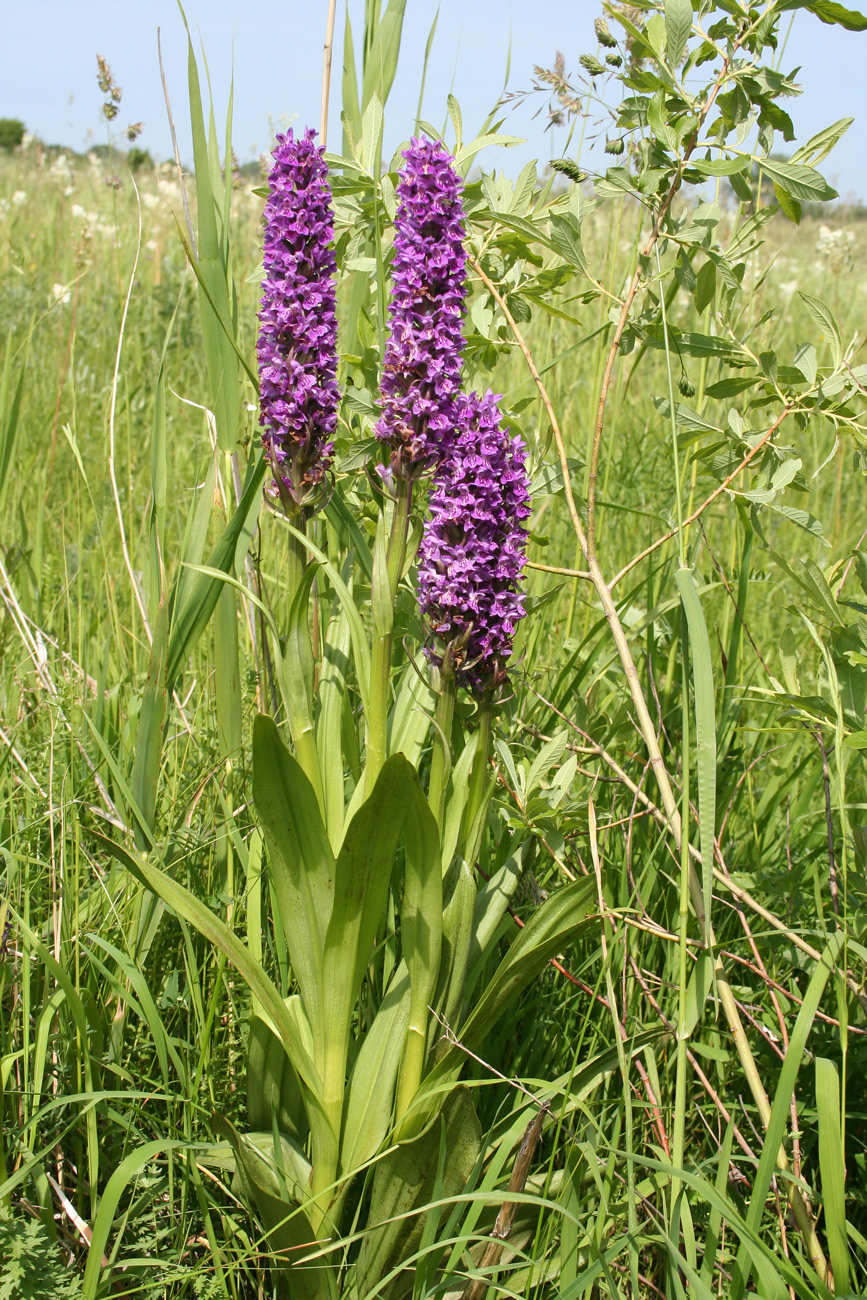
x,y
457,933
149,733
705,286
272,1177
380,64
203,592
705,731
370,1093
125,1172
789,206
678,25
403,1185
362,876
302,864
273,1089
420,930
721,166
832,1169
566,239
820,145
829,12
824,318
782,1105
215,307
547,933
796,179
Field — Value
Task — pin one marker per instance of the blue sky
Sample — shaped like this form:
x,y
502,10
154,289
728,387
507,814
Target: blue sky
x,y
47,69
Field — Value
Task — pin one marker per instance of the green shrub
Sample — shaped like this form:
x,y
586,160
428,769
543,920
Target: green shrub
x,y
11,132
138,158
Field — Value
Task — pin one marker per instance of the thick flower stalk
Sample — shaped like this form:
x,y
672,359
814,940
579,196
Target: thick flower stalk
x,y
472,553
421,373
297,346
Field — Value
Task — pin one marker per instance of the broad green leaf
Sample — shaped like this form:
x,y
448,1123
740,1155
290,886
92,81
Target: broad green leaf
x,y
362,876
302,864
331,692
492,902
370,1093
404,1184
824,318
273,1177
828,11
273,1090
215,304
566,239
678,25
721,166
351,105
458,793
832,1166
420,930
547,933
457,933
796,179
380,65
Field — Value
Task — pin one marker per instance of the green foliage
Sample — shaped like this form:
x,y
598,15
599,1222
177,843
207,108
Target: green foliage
x,y
32,1267
11,133
138,158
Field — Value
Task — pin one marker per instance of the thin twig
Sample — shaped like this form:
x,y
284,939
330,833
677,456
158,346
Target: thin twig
x,y
326,70
177,152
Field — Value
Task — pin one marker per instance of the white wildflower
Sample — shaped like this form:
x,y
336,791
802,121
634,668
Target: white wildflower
x,y
79,212
19,198
150,200
151,246
60,293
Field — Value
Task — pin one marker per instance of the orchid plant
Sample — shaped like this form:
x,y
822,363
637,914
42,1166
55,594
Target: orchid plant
x,y
353,1078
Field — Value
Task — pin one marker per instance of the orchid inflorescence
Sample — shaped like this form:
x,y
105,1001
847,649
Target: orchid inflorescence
x,y
472,551
421,371
297,347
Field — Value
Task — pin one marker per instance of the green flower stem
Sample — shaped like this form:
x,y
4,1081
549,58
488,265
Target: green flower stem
x,y
473,827
326,1133
441,762
380,656
411,1070
297,668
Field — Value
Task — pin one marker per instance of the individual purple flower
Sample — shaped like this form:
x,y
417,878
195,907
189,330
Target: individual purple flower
x,y
421,372
472,551
297,346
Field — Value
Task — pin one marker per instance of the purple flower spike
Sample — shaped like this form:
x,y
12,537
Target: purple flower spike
x,y
473,549
421,372
297,346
